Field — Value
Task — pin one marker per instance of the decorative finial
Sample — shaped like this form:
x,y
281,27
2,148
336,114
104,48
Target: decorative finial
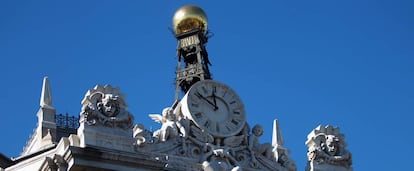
x,y
277,139
46,97
188,18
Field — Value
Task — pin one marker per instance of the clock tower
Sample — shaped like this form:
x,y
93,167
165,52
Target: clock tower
x,y
190,29
210,105
210,119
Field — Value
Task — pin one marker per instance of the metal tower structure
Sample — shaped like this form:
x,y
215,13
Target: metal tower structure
x,y
190,29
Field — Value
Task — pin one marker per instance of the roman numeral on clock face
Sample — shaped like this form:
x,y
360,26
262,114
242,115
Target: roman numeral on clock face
x,y
198,115
195,105
207,123
237,112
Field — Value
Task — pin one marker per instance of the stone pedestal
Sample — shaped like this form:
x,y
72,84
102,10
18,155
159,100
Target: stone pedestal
x,y
107,137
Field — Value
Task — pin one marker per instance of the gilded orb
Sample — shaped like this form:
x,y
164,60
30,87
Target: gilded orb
x,y
188,18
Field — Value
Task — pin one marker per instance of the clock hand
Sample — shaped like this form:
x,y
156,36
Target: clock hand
x,y
205,99
214,99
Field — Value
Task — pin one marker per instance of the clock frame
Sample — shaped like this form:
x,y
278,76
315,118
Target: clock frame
x,y
215,108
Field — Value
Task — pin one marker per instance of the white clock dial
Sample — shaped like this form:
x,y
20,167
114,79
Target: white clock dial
x,y
215,108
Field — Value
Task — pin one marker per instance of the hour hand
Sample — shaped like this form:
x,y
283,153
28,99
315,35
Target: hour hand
x,y
205,99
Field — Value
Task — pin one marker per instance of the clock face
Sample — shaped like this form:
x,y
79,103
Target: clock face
x,y
215,108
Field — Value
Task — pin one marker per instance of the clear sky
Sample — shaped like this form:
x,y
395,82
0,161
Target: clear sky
x,y
345,63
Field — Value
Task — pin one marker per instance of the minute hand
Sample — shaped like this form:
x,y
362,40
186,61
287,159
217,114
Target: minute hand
x,y
214,99
205,99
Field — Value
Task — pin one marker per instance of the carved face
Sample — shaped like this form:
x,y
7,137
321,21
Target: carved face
x,y
332,145
109,106
258,130
168,113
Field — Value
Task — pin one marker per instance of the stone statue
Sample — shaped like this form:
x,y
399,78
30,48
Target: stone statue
x,y
326,149
256,148
105,106
170,128
183,141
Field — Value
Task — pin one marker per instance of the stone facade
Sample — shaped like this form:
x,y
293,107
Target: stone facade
x,y
106,140
206,129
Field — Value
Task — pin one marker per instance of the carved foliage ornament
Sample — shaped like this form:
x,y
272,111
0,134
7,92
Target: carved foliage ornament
x,y
105,106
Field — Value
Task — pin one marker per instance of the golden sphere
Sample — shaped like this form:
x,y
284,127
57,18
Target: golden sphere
x,y
188,18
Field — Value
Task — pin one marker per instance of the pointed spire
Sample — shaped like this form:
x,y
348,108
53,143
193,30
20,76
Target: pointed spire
x,y
277,139
46,97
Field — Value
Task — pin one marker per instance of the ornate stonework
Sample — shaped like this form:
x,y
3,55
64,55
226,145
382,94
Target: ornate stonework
x,y
105,106
179,137
104,119
170,127
204,130
326,150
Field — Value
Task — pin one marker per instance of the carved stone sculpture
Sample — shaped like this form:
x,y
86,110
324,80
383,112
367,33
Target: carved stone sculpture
x,y
104,120
105,106
184,143
326,150
170,126
255,147
140,134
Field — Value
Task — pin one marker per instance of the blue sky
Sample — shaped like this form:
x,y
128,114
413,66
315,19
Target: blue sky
x,y
344,63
